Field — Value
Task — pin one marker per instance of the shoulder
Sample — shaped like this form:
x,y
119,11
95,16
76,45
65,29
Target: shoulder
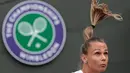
x,y
79,71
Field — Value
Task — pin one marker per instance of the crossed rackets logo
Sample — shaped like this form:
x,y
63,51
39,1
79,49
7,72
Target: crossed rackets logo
x,y
39,25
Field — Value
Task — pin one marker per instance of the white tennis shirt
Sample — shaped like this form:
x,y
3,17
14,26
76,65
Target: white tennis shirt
x,y
79,71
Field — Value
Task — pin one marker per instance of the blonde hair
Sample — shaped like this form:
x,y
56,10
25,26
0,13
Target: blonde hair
x,y
98,12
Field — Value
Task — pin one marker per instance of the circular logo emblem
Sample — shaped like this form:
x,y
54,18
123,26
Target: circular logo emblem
x,y
34,32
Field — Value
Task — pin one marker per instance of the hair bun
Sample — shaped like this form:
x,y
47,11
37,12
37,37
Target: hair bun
x,y
88,33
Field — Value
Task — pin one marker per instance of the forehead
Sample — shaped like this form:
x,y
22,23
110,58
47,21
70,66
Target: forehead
x,y
98,45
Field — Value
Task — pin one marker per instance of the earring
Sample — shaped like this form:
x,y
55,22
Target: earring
x,y
86,62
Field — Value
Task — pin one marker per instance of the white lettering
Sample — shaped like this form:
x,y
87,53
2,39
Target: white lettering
x,y
55,47
49,53
40,7
11,19
56,22
31,57
52,15
40,57
24,8
8,30
34,6
8,35
44,56
22,55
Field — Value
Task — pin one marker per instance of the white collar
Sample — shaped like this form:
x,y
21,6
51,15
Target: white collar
x,y
79,71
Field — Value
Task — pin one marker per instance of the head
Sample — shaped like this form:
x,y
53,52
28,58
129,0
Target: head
x,y
94,52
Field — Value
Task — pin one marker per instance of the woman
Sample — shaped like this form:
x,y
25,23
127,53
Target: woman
x,y
94,54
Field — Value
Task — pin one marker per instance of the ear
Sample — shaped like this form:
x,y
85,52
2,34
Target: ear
x,y
84,58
